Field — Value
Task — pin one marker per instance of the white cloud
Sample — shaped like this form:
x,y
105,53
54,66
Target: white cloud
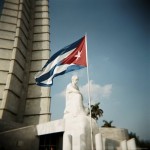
x,y
97,92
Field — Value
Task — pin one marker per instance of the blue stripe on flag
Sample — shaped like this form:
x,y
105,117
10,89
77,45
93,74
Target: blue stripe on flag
x,y
45,77
63,50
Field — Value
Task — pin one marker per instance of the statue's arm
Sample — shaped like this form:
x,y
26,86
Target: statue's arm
x,y
71,89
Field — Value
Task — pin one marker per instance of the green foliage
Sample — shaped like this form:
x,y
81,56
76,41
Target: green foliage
x,y
96,112
133,135
108,124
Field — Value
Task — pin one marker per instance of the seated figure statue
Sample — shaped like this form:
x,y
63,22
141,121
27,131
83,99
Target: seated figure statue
x,y
74,100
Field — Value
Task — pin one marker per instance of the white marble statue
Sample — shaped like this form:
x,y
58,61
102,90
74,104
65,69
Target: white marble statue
x,y
78,125
74,100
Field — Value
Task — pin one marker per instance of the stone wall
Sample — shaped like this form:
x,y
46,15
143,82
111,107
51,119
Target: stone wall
x,y
20,139
37,108
8,26
24,49
112,137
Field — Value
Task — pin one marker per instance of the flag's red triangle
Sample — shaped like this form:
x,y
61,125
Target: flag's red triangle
x,y
78,56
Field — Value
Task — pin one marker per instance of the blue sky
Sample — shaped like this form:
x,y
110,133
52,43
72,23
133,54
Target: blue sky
x,y
119,58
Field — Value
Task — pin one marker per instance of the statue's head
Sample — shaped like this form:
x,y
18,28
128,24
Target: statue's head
x,y
74,79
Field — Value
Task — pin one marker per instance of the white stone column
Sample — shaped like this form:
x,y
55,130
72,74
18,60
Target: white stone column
x,y
99,141
67,142
131,144
103,142
82,142
123,145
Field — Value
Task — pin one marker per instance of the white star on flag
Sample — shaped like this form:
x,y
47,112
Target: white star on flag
x,y
78,55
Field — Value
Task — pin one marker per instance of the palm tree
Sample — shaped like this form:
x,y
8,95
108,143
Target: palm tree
x,y
96,112
108,124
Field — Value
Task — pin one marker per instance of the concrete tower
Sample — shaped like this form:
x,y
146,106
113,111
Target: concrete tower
x,y
24,49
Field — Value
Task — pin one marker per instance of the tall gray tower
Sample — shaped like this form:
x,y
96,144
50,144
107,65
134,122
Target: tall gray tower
x,y
24,49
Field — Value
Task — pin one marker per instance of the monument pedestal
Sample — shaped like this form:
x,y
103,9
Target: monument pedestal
x,y
77,135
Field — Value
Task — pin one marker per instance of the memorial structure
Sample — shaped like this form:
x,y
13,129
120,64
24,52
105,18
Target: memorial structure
x,y
24,107
24,49
77,127
74,100
78,124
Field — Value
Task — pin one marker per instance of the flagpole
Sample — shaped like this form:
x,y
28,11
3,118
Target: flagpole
x,y
89,97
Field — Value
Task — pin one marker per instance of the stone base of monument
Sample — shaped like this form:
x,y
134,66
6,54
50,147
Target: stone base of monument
x,y
77,134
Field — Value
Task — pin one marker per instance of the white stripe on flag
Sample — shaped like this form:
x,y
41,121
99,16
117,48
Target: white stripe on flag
x,y
57,70
53,63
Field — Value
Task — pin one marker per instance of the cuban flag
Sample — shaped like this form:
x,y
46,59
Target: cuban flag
x,y
69,58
